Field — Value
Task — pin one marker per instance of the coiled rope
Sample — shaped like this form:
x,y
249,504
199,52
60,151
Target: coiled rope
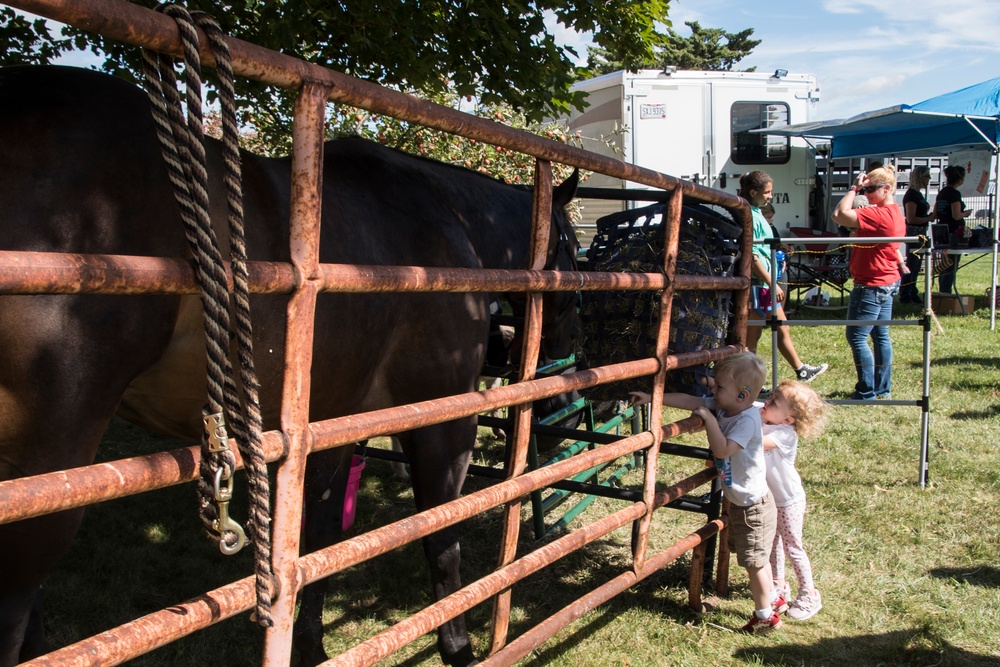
x,y
182,144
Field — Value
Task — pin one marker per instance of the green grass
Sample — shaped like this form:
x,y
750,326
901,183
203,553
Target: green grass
x,y
909,576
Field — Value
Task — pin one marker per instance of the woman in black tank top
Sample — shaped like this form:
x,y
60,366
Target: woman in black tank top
x,y
918,214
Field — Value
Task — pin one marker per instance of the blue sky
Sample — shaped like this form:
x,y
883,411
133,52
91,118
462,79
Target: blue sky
x,y
866,54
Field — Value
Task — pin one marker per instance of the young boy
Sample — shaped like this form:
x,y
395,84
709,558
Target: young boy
x,y
733,427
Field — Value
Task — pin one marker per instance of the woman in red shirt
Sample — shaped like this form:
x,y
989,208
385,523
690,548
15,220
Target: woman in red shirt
x,y
875,269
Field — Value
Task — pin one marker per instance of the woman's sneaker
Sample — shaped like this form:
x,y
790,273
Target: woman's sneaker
x,y
807,373
759,626
805,607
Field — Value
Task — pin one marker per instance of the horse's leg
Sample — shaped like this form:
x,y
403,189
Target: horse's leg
x,y
499,412
33,546
323,512
400,469
15,609
24,625
34,636
439,458
64,365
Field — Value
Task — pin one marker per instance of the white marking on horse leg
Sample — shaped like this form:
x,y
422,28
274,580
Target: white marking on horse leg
x,y
400,469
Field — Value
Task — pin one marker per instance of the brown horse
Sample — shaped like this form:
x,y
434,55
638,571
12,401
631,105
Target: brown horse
x,y
81,172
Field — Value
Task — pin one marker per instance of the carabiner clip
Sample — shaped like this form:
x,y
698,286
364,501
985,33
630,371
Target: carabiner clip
x,y
224,524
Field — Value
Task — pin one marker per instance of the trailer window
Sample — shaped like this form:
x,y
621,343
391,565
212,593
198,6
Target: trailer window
x,y
759,148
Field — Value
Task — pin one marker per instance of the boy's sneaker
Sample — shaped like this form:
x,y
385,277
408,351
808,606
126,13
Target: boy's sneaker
x,y
805,607
807,373
760,626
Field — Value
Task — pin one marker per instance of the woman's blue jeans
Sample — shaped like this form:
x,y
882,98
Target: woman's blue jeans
x,y
874,370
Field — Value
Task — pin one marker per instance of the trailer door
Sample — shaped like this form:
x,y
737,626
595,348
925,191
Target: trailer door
x,y
669,122
790,163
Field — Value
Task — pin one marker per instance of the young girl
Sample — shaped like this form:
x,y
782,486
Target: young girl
x,y
756,187
794,410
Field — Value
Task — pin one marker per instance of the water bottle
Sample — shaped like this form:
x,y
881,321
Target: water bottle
x,y
779,260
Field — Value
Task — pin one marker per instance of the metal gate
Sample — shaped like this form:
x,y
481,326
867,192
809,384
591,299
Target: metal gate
x,y
303,280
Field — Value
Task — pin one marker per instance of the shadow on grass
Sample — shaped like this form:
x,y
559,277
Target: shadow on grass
x,y
646,594
984,576
898,648
137,555
973,363
580,634
377,595
426,656
965,415
968,415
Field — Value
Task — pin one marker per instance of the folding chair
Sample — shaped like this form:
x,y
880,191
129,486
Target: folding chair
x,y
817,264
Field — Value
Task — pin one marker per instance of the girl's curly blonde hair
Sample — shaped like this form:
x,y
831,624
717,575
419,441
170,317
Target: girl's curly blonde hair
x,y
808,408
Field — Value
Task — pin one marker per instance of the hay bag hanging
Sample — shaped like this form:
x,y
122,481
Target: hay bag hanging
x,y
621,325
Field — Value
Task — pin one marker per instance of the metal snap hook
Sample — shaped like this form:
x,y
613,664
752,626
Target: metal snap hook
x,y
225,524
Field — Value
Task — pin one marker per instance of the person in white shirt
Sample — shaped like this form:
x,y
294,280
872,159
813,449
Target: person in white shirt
x,y
794,410
733,429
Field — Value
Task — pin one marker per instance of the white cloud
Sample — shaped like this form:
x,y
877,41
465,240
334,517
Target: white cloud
x,y
867,54
880,84
842,7
568,37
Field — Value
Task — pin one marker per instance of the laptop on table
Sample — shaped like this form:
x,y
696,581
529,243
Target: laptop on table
x,y
940,236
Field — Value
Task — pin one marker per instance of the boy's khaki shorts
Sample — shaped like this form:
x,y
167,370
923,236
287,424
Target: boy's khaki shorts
x,y
751,532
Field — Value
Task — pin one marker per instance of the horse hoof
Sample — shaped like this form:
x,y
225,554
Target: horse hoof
x,y
463,658
314,658
400,470
307,652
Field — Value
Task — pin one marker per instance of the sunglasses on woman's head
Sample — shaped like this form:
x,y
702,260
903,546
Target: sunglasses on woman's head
x,y
870,188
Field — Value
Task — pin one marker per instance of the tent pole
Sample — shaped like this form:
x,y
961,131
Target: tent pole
x,y
925,399
996,236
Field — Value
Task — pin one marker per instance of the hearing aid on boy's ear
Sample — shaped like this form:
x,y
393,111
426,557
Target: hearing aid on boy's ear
x,y
745,391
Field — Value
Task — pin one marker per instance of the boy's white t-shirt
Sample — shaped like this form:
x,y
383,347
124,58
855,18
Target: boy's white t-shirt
x,y
782,477
744,474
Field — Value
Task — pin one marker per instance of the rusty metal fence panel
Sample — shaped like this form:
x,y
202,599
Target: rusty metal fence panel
x,y
303,280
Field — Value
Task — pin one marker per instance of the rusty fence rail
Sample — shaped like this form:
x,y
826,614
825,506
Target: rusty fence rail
x,y
29,497
304,278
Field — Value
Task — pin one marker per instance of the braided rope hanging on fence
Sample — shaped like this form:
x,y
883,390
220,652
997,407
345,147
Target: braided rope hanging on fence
x,y
182,143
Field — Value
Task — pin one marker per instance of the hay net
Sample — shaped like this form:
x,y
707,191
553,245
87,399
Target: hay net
x,y
621,325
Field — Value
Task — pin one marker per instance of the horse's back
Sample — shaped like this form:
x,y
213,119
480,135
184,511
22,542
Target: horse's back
x,y
83,165
78,169
382,206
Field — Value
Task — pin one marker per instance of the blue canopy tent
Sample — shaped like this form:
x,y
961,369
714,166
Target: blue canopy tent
x,y
965,119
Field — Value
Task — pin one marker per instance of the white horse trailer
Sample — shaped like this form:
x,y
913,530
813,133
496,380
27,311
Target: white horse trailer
x,y
696,125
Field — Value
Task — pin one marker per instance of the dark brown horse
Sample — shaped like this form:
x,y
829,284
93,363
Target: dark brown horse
x,y
81,172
